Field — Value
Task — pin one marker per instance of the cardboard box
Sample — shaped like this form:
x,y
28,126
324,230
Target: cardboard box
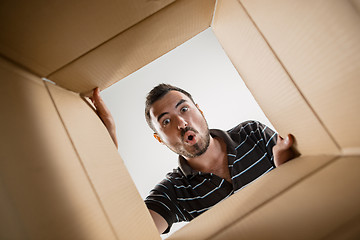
x,y
300,60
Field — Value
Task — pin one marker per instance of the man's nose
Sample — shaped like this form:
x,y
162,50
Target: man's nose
x,y
181,123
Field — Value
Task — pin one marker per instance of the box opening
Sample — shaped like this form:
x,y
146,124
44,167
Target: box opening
x,y
201,67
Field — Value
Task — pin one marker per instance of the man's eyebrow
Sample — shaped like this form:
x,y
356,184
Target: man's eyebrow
x,y
177,105
161,115
180,102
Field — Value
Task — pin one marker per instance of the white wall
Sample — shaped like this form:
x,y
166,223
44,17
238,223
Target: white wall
x,y
199,66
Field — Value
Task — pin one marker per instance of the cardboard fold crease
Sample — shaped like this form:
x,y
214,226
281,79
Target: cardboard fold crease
x,y
60,174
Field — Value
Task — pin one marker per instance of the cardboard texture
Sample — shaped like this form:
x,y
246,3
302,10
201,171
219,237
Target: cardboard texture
x,y
249,200
45,36
137,46
317,218
104,167
60,174
270,84
45,193
321,53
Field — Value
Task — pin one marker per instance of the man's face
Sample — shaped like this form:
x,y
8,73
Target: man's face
x,y
180,124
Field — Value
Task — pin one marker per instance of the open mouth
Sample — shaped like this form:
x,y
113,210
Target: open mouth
x,y
190,137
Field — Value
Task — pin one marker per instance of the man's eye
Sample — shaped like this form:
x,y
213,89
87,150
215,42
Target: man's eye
x,y
184,109
166,122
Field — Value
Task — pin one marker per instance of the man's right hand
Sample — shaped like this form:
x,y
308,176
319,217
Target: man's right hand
x,y
104,114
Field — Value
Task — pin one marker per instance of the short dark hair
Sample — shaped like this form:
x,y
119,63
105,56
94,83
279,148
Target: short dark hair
x,y
156,94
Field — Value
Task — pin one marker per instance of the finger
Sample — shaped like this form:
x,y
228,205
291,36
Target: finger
x,y
97,98
96,93
100,104
289,141
92,100
283,144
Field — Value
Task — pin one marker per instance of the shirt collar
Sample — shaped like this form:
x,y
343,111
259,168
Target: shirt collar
x,y
230,146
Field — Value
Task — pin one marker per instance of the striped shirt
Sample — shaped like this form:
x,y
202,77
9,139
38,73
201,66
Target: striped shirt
x,y
186,193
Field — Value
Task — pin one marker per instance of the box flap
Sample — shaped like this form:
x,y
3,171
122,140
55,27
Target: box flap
x,y
322,206
269,82
250,199
43,36
44,191
107,172
321,52
137,46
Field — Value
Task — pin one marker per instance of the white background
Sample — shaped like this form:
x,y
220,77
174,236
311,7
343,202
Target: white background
x,y
199,66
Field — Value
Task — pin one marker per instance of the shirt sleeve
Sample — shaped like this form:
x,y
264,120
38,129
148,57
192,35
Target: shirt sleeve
x,y
270,138
162,199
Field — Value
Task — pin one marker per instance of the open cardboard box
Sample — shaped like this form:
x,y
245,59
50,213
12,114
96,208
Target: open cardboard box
x,y
61,176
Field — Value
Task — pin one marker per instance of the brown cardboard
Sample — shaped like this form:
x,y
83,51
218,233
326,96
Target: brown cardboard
x,y
45,193
137,46
250,199
60,174
321,52
271,85
43,36
322,205
106,171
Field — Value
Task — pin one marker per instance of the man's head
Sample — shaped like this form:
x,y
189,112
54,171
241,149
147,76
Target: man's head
x,y
177,121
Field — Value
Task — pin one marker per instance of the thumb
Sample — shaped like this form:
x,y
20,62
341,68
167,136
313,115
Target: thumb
x,y
288,141
285,143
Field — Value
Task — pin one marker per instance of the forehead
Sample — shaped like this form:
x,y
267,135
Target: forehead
x,y
167,103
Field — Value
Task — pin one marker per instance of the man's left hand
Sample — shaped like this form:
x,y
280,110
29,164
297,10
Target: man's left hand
x,y
283,150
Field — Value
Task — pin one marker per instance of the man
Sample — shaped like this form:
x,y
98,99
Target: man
x,y
213,164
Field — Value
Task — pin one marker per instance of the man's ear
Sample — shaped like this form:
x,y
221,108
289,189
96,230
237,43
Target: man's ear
x,y
157,137
199,109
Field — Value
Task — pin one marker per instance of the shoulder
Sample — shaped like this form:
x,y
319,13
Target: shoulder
x,y
174,178
249,129
175,174
246,127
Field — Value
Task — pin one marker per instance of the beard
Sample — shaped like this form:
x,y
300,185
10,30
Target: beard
x,y
192,151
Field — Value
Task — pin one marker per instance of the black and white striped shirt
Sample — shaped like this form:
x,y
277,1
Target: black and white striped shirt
x,y
186,193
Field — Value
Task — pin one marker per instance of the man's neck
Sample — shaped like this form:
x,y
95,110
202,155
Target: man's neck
x,y
212,158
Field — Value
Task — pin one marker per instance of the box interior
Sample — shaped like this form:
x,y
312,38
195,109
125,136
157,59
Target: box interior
x,y
303,72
